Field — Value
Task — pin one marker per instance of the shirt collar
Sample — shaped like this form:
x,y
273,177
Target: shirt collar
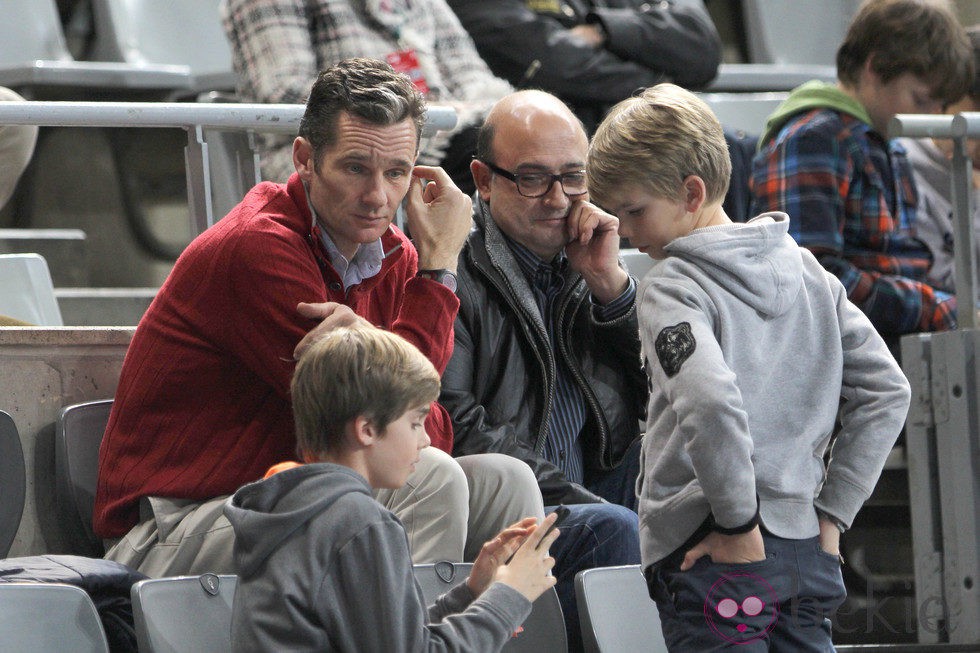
x,y
533,265
365,263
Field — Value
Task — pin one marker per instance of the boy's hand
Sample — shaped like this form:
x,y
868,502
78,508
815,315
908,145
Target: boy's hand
x,y
829,537
593,250
529,571
745,547
495,552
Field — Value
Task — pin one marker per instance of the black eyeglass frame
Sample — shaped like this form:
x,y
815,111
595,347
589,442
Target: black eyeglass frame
x,y
506,174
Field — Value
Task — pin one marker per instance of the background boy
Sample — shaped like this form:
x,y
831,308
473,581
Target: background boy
x,y
750,346
825,159
322,565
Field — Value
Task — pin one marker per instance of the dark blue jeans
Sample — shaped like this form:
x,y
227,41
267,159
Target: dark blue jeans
x,y
782,603
597,535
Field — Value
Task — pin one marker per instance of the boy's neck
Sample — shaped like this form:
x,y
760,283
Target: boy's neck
x,y
711,215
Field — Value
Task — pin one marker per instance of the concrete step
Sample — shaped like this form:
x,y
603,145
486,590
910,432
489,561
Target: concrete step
x,y
117,307
64,249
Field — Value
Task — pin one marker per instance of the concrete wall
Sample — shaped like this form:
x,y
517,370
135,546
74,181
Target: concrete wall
x,y
41,371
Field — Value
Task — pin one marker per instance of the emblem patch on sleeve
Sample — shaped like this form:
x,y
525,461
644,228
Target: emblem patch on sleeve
x,y
674,345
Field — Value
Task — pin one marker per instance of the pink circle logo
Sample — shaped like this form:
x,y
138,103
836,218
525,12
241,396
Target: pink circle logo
x,y
741,607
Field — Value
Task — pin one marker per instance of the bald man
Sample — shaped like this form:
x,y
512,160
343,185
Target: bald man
x,y
546,363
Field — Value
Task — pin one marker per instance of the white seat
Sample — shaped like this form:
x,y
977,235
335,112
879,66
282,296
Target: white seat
x,y
793,32
178,32
616,612
637,263
26,290
49,617
184,613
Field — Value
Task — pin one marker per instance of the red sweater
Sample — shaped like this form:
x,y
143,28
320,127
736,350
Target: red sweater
x,y
203,402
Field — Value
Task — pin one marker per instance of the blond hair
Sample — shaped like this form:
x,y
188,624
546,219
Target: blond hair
x,y
656,140
353,372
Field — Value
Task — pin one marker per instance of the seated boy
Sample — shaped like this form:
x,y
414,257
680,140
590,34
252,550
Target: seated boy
x,y
750,347
826,160
321,564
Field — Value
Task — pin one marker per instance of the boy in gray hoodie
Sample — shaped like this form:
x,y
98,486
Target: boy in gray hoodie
x,y
322,565
752,351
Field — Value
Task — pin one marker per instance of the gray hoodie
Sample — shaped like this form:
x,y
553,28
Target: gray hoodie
x,y
749,346
323,566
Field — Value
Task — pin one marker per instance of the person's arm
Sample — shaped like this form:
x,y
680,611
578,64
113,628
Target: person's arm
x,y
388,613
676,38
808,177
476,432
684,360
876,398
511,38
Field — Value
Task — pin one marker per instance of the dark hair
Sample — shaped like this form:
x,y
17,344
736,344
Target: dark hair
x,y
922,37
973,32
367,88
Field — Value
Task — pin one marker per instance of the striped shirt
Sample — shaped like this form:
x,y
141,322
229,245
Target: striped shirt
x,y
852,202
563,447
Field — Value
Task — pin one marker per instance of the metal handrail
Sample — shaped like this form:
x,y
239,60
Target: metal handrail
x,y
959,128
194,118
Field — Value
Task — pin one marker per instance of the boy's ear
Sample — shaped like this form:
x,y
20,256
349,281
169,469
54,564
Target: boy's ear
x,y
695,193
362,431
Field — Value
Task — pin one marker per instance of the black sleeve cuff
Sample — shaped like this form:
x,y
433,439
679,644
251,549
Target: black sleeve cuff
x,y
737,530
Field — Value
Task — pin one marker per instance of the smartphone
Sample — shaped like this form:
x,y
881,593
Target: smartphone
x,y
562,512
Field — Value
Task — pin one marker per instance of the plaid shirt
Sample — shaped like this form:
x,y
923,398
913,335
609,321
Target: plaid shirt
x,y
280,46
851,201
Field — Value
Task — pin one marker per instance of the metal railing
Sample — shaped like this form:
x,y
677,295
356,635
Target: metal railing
x,y
196,119
959,128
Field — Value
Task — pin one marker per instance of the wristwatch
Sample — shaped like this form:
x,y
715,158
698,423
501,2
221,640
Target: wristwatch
x,y
443,276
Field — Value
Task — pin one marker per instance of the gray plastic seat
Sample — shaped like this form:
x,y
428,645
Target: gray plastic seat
x,y
184,613
26,290
78,435
544,630
616,611
13,482
178,32
33,53
49,617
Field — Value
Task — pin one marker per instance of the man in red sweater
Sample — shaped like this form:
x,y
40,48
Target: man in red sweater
x,y
203,402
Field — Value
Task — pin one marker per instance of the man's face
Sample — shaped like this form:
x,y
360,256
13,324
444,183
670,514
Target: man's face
x,y
360,180
904,94
541,142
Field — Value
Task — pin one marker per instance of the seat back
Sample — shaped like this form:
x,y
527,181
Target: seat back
x,y
177,32
31,30
544,630
26,289
184,613
78,435
49,617
13,482
788,31
616,611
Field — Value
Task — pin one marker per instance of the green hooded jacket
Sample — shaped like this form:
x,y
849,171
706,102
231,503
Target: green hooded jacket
x,y
812,95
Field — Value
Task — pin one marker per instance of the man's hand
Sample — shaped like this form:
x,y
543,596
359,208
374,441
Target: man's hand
x,y
829,537
331,315
593,250
593,34
439,218
745,547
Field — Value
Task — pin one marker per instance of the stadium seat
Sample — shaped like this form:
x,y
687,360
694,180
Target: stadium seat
x,y
26,290
13,482
637,263
184,613
179,32
543,631
78,434
33,54
617,613
790,32
49,617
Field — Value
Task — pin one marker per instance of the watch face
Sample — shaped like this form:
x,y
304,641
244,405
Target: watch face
x,y
448,279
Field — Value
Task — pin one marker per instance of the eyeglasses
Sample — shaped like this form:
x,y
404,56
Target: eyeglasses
x,y
538,184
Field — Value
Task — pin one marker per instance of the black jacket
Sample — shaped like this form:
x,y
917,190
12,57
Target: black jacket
x,y
499,384
648,41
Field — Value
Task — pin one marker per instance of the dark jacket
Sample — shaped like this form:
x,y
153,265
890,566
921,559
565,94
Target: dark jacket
x,y
647,42
499,385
